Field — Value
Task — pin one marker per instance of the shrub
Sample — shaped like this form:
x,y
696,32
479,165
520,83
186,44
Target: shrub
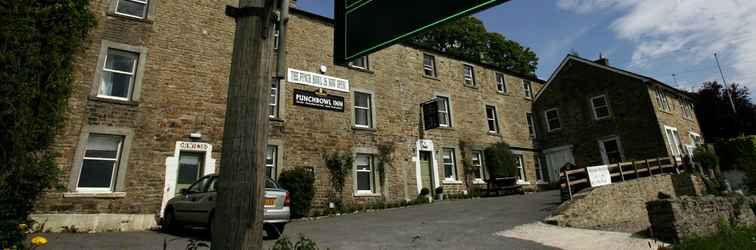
x,y
499,160
440,190
300,183
39,40
424,192
302,244
739,153
339,166
705,157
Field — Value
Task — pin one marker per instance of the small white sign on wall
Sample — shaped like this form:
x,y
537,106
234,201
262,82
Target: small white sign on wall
x,y
599,176
318,80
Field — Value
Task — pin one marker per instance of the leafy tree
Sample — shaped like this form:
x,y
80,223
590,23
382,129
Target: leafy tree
x,y
38,41
468,39
500,160
715,114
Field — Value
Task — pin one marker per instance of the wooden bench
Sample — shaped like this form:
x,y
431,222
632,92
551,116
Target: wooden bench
x,y
507,184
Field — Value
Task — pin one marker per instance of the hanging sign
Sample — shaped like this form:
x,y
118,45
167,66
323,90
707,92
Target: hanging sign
x,y
318,80
318,100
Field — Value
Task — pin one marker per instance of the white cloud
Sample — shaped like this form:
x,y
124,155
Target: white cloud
x,y
688,30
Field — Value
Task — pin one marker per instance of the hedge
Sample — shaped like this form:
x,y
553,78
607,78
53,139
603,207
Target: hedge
x,y
300,183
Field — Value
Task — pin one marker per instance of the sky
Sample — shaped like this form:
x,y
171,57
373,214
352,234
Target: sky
x,y
673,41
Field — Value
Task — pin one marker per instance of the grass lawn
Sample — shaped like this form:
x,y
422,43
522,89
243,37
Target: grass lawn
x,y
741,238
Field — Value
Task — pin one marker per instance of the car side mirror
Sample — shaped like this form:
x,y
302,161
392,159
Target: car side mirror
x,y
184,191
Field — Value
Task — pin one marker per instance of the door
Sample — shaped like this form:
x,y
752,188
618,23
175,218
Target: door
x,y
189,169
555,159
426,170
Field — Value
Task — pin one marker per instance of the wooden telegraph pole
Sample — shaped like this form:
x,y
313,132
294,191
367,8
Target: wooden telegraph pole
x,y
237,220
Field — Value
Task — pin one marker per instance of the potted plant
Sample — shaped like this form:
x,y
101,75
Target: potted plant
x,y
424,194
440,193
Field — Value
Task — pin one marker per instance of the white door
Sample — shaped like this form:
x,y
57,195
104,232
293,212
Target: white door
x,y
555,159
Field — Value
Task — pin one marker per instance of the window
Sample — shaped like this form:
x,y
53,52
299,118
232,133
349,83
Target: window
x,y
477,163
469,75
501,83
271,160
600,107
429,65
360,62
527,87
611,151
450,169
132,8
118,74
695,139
100,163
531,125
661,99
539,172
273,111
552,120
520,168
444,112
688,110
363,110
492,119
364,173
673,140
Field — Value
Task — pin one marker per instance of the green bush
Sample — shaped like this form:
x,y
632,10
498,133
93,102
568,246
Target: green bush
x,y
339,166
500,160
705,157
38,43
301,186
728,238
739,153
302,244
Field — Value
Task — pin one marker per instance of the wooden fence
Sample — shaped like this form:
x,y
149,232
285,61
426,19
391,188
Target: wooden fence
x,y
573,179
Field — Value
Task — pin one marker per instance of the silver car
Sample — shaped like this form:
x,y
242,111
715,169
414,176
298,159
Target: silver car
x,y
196,204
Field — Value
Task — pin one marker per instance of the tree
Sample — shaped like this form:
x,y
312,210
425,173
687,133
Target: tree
x,y
499,160
468,39
38,43
715,114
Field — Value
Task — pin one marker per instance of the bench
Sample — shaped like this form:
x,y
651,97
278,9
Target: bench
x,y
507,184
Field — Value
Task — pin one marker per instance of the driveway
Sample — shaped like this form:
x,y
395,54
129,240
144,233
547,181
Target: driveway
x,y
459,224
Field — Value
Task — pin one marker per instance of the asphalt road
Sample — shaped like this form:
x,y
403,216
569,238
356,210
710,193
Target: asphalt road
x,y
459,224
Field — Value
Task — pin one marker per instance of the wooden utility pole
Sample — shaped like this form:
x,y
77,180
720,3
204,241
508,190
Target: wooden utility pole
x,y
237,220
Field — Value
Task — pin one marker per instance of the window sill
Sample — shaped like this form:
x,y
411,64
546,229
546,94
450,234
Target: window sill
x,y
146,20
431,77
479,182
602,118
360,69
528,98
113,101
94,195
446,128
493,133
453,182
276,122
523,182
371,130
502,93
367,194
476,86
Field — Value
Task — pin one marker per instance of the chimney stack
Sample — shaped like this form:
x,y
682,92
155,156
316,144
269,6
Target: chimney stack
x,y
602,60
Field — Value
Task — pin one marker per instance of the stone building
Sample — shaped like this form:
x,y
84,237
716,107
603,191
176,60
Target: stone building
x,y
146,115
595,114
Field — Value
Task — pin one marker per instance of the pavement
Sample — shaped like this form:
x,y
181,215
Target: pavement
x,y
457,224
579,239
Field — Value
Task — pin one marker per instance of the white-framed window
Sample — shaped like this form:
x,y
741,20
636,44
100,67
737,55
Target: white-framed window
x,y
100,163
688,110
363,172
539,170
360,62
273,106
469,73
450,166
501,83
271,162
527,87
673,140
363,110
661,98
444,112
552,119
429,65
695,139
118,74
492,119
531,125
611,150
520,168
600,106
478,165
132,8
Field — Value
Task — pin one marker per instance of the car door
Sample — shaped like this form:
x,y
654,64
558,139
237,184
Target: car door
x,y
186,204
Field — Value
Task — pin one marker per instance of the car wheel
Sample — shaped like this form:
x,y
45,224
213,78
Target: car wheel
x,y
169,221
275,230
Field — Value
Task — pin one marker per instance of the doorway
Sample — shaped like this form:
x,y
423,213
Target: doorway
x,y
426,170
555,160
190,169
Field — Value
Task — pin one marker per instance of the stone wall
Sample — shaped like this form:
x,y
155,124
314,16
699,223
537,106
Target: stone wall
x,y
685,217
622,206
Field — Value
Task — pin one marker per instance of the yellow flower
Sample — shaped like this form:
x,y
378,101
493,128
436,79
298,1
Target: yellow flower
x,y
22,226
39,241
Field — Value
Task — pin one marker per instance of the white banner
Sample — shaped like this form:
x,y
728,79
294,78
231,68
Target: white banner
x,y
318,80
599,176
